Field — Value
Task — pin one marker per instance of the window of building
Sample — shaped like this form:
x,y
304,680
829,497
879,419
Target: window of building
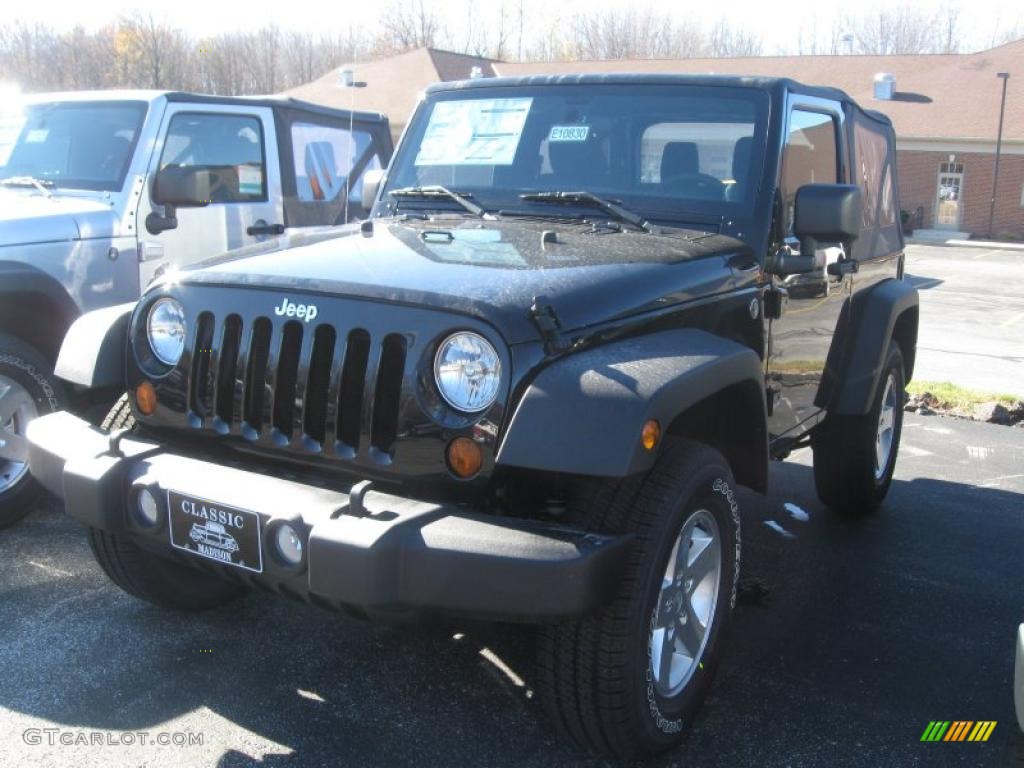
x,y
229,146
810,156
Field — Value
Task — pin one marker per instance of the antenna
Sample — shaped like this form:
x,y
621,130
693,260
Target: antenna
x,y
351,131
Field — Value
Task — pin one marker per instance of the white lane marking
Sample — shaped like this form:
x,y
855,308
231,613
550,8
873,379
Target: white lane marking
x,y
978,452
938,430
310,695
796,513
779,529
906,448
49,568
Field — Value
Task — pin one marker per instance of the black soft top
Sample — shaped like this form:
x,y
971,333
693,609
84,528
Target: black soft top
x,y
275,101
774,85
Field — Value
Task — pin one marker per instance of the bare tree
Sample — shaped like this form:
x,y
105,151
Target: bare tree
x,y
162,55
899,29
726,40
408,24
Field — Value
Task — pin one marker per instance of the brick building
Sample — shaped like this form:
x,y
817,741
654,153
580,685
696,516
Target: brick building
x,y
945,108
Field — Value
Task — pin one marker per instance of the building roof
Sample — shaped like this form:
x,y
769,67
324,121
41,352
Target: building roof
x,y
937,96
392,85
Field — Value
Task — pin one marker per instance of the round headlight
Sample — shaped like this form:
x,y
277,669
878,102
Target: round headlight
x,y
467,371
165,328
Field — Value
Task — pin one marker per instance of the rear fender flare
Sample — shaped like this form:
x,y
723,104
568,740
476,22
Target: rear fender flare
x,y
885,311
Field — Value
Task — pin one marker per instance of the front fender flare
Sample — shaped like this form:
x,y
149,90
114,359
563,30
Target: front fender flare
x,y
93,352
584,413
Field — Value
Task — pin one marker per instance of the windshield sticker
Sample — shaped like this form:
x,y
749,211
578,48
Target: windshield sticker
x,y
569,133
36,135
474,132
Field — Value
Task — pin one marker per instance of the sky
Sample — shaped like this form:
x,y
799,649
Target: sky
x,y
980,20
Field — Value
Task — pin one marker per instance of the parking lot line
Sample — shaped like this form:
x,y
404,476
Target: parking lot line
x,y
1012,320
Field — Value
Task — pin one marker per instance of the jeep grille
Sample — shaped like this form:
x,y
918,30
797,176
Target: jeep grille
x,y
290,385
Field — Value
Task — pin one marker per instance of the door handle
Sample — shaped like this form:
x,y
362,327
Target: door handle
x,y
262,228
843,267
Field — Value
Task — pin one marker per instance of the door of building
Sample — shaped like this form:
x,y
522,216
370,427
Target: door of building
x,y
948,206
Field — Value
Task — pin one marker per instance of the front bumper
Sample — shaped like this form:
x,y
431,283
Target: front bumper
x,y
372,552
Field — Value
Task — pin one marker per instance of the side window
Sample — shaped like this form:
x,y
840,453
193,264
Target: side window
x,y
230,146
324,156
809,156
874,176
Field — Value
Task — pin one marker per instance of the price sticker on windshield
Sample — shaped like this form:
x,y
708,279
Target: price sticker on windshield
x,y
569,133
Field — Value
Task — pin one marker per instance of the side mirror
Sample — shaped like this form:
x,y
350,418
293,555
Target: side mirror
x,y
182,187
371,186
177,187
823,214
827,213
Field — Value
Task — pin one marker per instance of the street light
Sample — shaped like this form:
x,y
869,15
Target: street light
x,y
1004,76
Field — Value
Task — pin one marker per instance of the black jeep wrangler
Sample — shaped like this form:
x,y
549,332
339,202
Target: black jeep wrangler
x,y
524,389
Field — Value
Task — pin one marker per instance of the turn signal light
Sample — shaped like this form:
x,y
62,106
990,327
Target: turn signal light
x,y
464,457
145,398
650,435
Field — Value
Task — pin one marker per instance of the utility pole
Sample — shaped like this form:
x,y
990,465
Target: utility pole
x,y
1004,76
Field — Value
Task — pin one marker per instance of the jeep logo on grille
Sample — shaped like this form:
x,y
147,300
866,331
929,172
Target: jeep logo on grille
x,y
302,311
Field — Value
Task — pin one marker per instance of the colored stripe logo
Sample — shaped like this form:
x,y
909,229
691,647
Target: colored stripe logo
x,y
958,730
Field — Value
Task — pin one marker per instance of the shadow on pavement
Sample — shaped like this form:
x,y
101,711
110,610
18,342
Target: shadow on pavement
x,y
863,631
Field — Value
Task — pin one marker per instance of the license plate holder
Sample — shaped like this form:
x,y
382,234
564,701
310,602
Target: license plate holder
x,y
225,534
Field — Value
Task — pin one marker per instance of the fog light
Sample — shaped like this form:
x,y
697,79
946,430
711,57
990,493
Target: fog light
x,y
650,435
289,544
147,508
145,398
464,457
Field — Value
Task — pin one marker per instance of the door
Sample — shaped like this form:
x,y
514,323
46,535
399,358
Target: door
x,y
948,213
239,146
808,315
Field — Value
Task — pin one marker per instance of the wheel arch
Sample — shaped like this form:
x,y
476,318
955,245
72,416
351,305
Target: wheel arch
x,y
732,421
35,308
888,310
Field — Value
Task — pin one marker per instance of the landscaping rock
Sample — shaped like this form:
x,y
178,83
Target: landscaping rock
x,y
993,413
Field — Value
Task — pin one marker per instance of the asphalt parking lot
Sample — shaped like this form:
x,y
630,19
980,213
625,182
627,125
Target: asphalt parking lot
x,y
851,636
972,316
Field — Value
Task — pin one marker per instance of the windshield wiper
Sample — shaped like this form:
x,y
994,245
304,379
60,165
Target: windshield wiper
x,y
436,190
611,207
43,185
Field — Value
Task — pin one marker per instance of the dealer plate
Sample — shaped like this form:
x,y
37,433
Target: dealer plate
x,y
215,531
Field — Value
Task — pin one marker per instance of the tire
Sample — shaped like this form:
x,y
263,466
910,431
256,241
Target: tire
x,y
142,574
847,471
600,681
164,583
28,389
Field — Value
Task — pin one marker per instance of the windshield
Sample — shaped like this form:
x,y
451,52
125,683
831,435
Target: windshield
x,y
82,145
660,149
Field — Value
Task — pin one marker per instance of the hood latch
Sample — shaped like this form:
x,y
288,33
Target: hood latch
x,y
543,316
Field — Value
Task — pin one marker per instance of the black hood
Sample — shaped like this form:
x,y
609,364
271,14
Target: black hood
x,y
492,270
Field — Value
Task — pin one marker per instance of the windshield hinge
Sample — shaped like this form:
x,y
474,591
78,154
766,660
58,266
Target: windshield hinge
x,y
543,316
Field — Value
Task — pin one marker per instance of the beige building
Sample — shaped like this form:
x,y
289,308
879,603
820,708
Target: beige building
x,y
945,108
